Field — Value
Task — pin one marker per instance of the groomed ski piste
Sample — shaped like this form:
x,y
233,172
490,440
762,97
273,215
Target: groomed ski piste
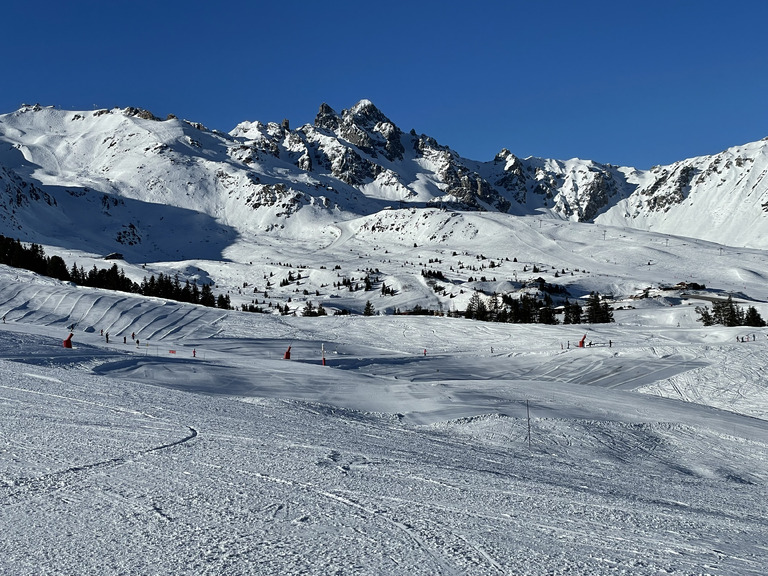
x,y
425,445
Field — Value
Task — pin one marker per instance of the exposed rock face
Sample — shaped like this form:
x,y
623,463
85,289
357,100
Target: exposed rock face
x,y
575,189
327,119
365,127
360,145
514,179
140,113
467,187
349,167
17,193
278,195
728,182
669,188
17,196
128,235
597,195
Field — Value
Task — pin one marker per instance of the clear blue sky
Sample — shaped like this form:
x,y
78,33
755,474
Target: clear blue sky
x,y
630,83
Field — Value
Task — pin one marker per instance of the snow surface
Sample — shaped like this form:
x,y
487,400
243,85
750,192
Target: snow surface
x,y
648,456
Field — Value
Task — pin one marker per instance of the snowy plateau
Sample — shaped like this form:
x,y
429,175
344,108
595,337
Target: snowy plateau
x,y
420,444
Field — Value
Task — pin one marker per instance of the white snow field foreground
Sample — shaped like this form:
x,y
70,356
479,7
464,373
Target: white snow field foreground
x,y
646,457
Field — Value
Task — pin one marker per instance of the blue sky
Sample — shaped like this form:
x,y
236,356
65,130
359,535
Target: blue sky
x,y
630,83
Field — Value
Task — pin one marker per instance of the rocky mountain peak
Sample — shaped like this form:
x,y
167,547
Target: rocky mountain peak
x,y
365,127
502,156
327,119
365,113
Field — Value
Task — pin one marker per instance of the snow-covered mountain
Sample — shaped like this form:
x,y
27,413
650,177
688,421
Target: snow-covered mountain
x,y
118,180
388,444
723,198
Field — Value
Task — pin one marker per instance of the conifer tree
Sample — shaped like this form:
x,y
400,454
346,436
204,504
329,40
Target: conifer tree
x,y
57,268
547,315
753,318
493,308
572,313
705,316
206,296
597,311
472,306
481,313
309,309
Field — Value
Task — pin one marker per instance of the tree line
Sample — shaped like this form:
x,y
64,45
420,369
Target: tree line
x,y
33,258
528,309
727,313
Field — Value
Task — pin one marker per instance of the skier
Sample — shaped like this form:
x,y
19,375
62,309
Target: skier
x,y
107,337
194,353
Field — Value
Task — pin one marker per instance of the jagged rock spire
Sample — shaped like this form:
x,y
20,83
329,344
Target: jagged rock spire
x,y
326,118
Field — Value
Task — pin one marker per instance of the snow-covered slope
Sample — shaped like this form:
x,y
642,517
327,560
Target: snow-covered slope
x,y
201,451
723,198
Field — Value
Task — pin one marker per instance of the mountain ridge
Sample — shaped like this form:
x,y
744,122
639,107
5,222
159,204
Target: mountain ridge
x,y
258,178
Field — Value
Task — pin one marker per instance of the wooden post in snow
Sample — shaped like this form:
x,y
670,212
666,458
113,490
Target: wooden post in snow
x,y
528,411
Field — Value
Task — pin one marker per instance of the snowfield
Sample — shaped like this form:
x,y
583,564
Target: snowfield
x,y
203,451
